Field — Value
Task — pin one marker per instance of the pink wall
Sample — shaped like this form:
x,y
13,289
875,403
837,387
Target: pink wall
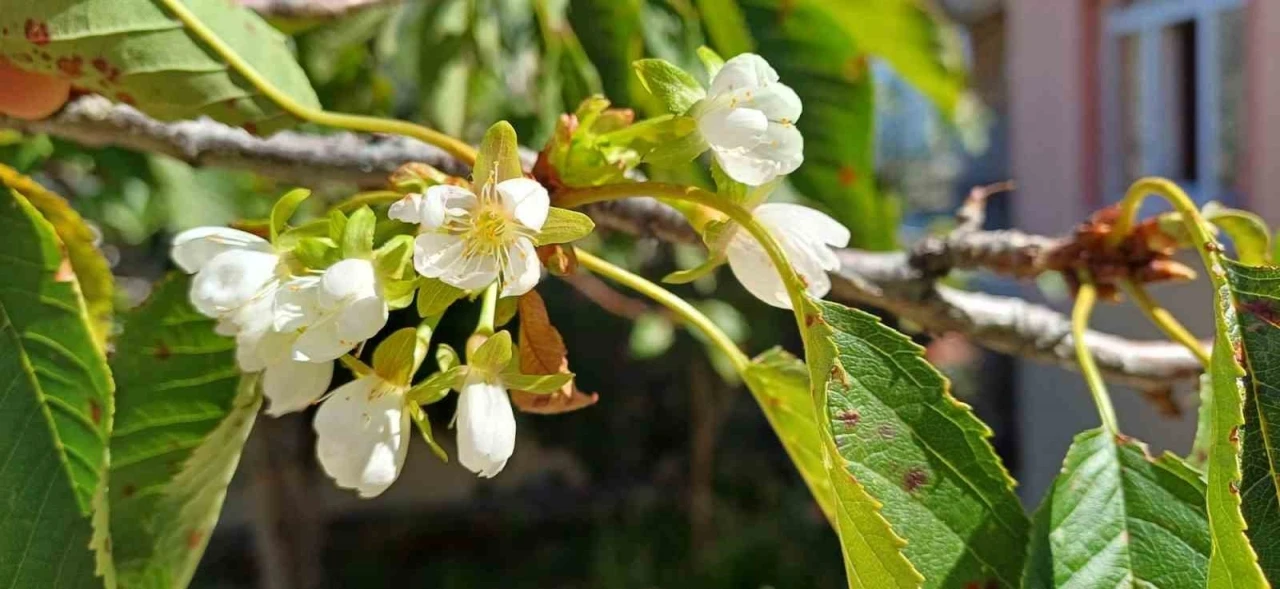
x,y
1263,159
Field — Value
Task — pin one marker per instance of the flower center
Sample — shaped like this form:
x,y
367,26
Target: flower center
x,y
491,229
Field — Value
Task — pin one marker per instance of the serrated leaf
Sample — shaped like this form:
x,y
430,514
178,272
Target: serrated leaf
x,y
564,226
830,72
184,412
674,87
1116,517
1257,300
916,449
498,158
138,52
55,412
97,285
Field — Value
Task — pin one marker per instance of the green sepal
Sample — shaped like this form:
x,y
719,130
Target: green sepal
x,y
494,354
710,60
400,355
437,386
284,209
394,259
421,420
505,311
668,139
538,384
674,87
357,238
288,239
316,253
564,226
686,276
399,293
447,357
498,158
337,225
435,297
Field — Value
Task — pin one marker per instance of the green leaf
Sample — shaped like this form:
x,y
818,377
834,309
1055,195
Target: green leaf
x,y
915,449
55,413
435,297
498,158
283,210
1257,299
437,386
689,275
1248,232
97,285
674,87
611,32
564,226
394,259
494,354
183,415
357,236
539,384
1118,517
830,72
1233,562
317,253
709,58
139,52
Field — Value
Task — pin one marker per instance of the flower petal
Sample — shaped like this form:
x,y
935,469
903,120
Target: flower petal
x,y
349,280
777,101
194,248
732,128
407,209
362,319
362,435
230,280
321,342
812,223
524,269
435,253
294,386
486,427
743,71
296,304
754,270
526,200
472,273
257,349
780,151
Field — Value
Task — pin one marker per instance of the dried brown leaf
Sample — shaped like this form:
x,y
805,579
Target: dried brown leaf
x,y
542,351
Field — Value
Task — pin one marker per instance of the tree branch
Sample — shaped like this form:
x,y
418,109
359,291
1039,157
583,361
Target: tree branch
x,y
900,282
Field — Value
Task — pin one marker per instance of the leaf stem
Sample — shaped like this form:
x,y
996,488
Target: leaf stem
x,y
454,147
694,318
1164,320
488,310
1201,239
1086,296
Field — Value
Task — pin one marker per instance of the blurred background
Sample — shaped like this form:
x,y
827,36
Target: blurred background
x,y
674,478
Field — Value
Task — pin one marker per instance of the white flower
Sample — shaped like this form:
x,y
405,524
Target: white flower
x,y
362,434
806,236
469,241
332,312
486,424
748,118
289,385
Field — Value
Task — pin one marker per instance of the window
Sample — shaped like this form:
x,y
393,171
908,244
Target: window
x,y
1172,91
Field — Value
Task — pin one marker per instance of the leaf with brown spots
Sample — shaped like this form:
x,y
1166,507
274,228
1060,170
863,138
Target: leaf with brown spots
x,y
542,351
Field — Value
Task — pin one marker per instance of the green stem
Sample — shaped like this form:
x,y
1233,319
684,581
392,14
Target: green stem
x,y
1164,320
454,147
1085,299
1201,239
488,311
666,298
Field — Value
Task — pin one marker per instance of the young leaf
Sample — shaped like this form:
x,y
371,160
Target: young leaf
x,y
674,87
183,415
138,52
1257,299
434,297
357,236
499,156
564,226
283,210
915,449
542,351
1248,232
97,285
1117,517
57,413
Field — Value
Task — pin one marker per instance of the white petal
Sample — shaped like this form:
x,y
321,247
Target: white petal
x,y
349,280
293,386
321,341
754,270
524,271
746,70
733,128
194,248
362,319
472,273
779,152
230,280
778,102
527,201
362,435
407,209
812,222
444,200
434,253
486,428
296,304
258,349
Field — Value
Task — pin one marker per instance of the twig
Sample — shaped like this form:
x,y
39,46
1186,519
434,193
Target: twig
x,y
889,281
